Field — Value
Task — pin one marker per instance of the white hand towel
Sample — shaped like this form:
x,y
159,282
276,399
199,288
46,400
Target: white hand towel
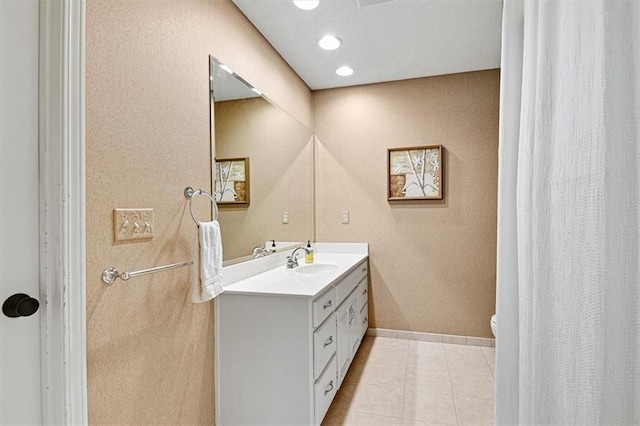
x,y
207,263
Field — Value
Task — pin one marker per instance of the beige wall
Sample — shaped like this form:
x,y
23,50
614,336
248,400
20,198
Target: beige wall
x,y
150,350
432,263
280,151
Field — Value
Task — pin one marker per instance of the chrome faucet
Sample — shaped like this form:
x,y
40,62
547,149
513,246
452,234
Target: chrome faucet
x,y
292,260
259,251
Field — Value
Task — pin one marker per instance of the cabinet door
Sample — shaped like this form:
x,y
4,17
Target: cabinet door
x,y
354,324
344,346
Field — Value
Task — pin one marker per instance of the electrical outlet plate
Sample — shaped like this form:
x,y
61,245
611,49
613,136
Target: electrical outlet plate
x,y
132,224
285,217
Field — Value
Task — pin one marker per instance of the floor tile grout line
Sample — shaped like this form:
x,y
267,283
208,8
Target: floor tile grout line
x,y
377,384
493,373
444,350
382,386
472,375
404,392
476,397
360,379
375,414
349,409
419,391
484,355
453,395
484,362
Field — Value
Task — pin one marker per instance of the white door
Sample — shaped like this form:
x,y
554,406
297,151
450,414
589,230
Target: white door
x,y
20,395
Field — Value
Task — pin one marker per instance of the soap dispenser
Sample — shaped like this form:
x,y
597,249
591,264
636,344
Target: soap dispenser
x,y
308,257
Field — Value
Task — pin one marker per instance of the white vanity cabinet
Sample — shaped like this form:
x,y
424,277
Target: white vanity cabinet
x,y
280,358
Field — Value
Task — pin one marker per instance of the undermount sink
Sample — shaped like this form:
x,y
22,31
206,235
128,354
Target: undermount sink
x,y
316,268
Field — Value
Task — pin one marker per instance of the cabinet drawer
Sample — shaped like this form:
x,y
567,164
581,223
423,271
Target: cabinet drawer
x,y
325,389
323,306
351,281
324,345
364,319
363,293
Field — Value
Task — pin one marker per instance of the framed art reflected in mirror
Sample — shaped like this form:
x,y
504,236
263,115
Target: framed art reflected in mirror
x,y
232,181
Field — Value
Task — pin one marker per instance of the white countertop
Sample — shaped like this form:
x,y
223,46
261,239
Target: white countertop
x,y
292,282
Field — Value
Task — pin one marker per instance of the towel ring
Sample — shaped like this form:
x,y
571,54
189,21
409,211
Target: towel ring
x,y
189,193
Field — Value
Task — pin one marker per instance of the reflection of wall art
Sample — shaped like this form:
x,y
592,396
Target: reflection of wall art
x,y
415,173
232,181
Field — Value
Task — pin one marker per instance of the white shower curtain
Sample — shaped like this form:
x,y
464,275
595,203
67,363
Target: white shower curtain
x,y
568,303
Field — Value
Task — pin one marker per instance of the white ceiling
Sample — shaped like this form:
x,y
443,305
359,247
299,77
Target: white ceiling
x,y
383,40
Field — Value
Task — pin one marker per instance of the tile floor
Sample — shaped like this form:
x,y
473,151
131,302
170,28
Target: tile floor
x,y
409,382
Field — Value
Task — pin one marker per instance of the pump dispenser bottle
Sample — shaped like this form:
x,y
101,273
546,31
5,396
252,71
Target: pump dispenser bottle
x,y
308,257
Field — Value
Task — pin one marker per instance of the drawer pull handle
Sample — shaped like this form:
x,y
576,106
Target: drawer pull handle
x,y
364,269
364,321
328,304
329,341
330,388
364,291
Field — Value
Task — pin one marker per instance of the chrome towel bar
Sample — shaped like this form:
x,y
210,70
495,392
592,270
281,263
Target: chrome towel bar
x,y
111,274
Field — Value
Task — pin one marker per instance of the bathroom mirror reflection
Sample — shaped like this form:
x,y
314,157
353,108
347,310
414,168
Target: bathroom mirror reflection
x,y
245,124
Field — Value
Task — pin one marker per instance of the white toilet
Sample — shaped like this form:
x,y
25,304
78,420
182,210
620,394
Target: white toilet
x,y
494,326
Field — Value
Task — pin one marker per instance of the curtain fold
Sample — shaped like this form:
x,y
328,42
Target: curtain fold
x,y
568,302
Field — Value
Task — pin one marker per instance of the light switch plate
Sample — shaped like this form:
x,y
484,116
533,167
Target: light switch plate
x,y
132,224
345,217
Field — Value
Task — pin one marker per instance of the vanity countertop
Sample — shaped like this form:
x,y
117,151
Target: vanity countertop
x,y
295,282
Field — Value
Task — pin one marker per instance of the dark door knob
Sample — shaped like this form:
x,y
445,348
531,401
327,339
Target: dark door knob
x,y
20,305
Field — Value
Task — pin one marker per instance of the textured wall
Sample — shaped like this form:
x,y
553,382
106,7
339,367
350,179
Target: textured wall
x,y
280,151
150,350
432,263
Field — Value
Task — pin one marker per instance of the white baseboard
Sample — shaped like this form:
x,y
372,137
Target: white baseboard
x,y
432,337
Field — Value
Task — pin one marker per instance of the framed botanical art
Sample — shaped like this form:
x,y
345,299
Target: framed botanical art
x,y
414,173
232,181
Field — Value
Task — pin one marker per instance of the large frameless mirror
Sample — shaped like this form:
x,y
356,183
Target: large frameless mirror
x,y
262,168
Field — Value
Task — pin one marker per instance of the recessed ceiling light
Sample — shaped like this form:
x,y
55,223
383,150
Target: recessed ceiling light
x,y
329,42
306,4
344,71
